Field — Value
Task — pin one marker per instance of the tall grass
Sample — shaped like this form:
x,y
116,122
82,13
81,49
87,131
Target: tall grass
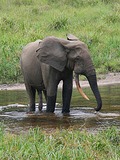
x,y
94,22
61,145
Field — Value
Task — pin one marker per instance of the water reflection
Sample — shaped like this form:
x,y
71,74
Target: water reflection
x,y
82,115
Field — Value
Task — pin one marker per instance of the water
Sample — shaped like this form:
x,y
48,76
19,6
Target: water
x,y
13,106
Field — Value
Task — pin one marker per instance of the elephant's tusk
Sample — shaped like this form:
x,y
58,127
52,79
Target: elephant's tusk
x,y
81,91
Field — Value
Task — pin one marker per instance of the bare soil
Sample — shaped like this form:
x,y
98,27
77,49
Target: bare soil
x,y
106,79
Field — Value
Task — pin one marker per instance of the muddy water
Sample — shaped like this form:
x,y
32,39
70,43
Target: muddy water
x,y
14,104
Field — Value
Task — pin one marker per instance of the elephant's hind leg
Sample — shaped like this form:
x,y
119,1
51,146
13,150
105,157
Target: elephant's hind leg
x,y
40,94
31,92
40,106
45,94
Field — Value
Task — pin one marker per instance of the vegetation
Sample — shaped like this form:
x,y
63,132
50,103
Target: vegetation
x,y
60,145
96,22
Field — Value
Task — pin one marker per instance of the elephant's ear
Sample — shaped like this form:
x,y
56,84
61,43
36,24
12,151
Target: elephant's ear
x,y
72,37
52,53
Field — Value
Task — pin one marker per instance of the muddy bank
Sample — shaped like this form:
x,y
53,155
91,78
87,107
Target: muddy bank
x,y
106,79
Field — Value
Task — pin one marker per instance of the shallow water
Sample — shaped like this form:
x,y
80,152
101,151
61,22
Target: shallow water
x,y
14,104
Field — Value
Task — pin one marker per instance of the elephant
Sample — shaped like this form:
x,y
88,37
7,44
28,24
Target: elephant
x,y
45,63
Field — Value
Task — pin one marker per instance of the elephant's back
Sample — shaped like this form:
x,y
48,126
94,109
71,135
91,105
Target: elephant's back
x,y
30,65
30,48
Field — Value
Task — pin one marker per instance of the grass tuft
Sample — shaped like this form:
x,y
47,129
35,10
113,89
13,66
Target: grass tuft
x,y
59,23
22,2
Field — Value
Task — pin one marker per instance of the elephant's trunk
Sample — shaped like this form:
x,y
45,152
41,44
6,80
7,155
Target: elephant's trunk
x,y
79,87
93,84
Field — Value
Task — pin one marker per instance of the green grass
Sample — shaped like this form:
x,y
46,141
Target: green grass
x,y
96,22
61,145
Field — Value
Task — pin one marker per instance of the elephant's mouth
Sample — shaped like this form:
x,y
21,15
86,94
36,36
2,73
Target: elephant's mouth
x,y
79,87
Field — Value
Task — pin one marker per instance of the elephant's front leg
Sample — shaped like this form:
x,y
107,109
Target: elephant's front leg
x,y
52,91
51,98
67,93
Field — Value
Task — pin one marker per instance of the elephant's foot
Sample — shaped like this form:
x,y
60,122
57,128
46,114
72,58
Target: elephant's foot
x,y
40,108
50,110
31,109
66,114
65,110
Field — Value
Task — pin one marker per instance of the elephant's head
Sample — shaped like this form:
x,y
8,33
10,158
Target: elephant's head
x,y
71,53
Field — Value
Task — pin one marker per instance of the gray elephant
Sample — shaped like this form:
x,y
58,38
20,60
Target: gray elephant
x,y
45,63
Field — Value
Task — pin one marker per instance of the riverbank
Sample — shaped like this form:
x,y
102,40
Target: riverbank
x,y
106,79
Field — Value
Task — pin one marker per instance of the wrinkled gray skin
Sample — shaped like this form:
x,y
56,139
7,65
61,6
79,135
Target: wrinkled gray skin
x,y
45,63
